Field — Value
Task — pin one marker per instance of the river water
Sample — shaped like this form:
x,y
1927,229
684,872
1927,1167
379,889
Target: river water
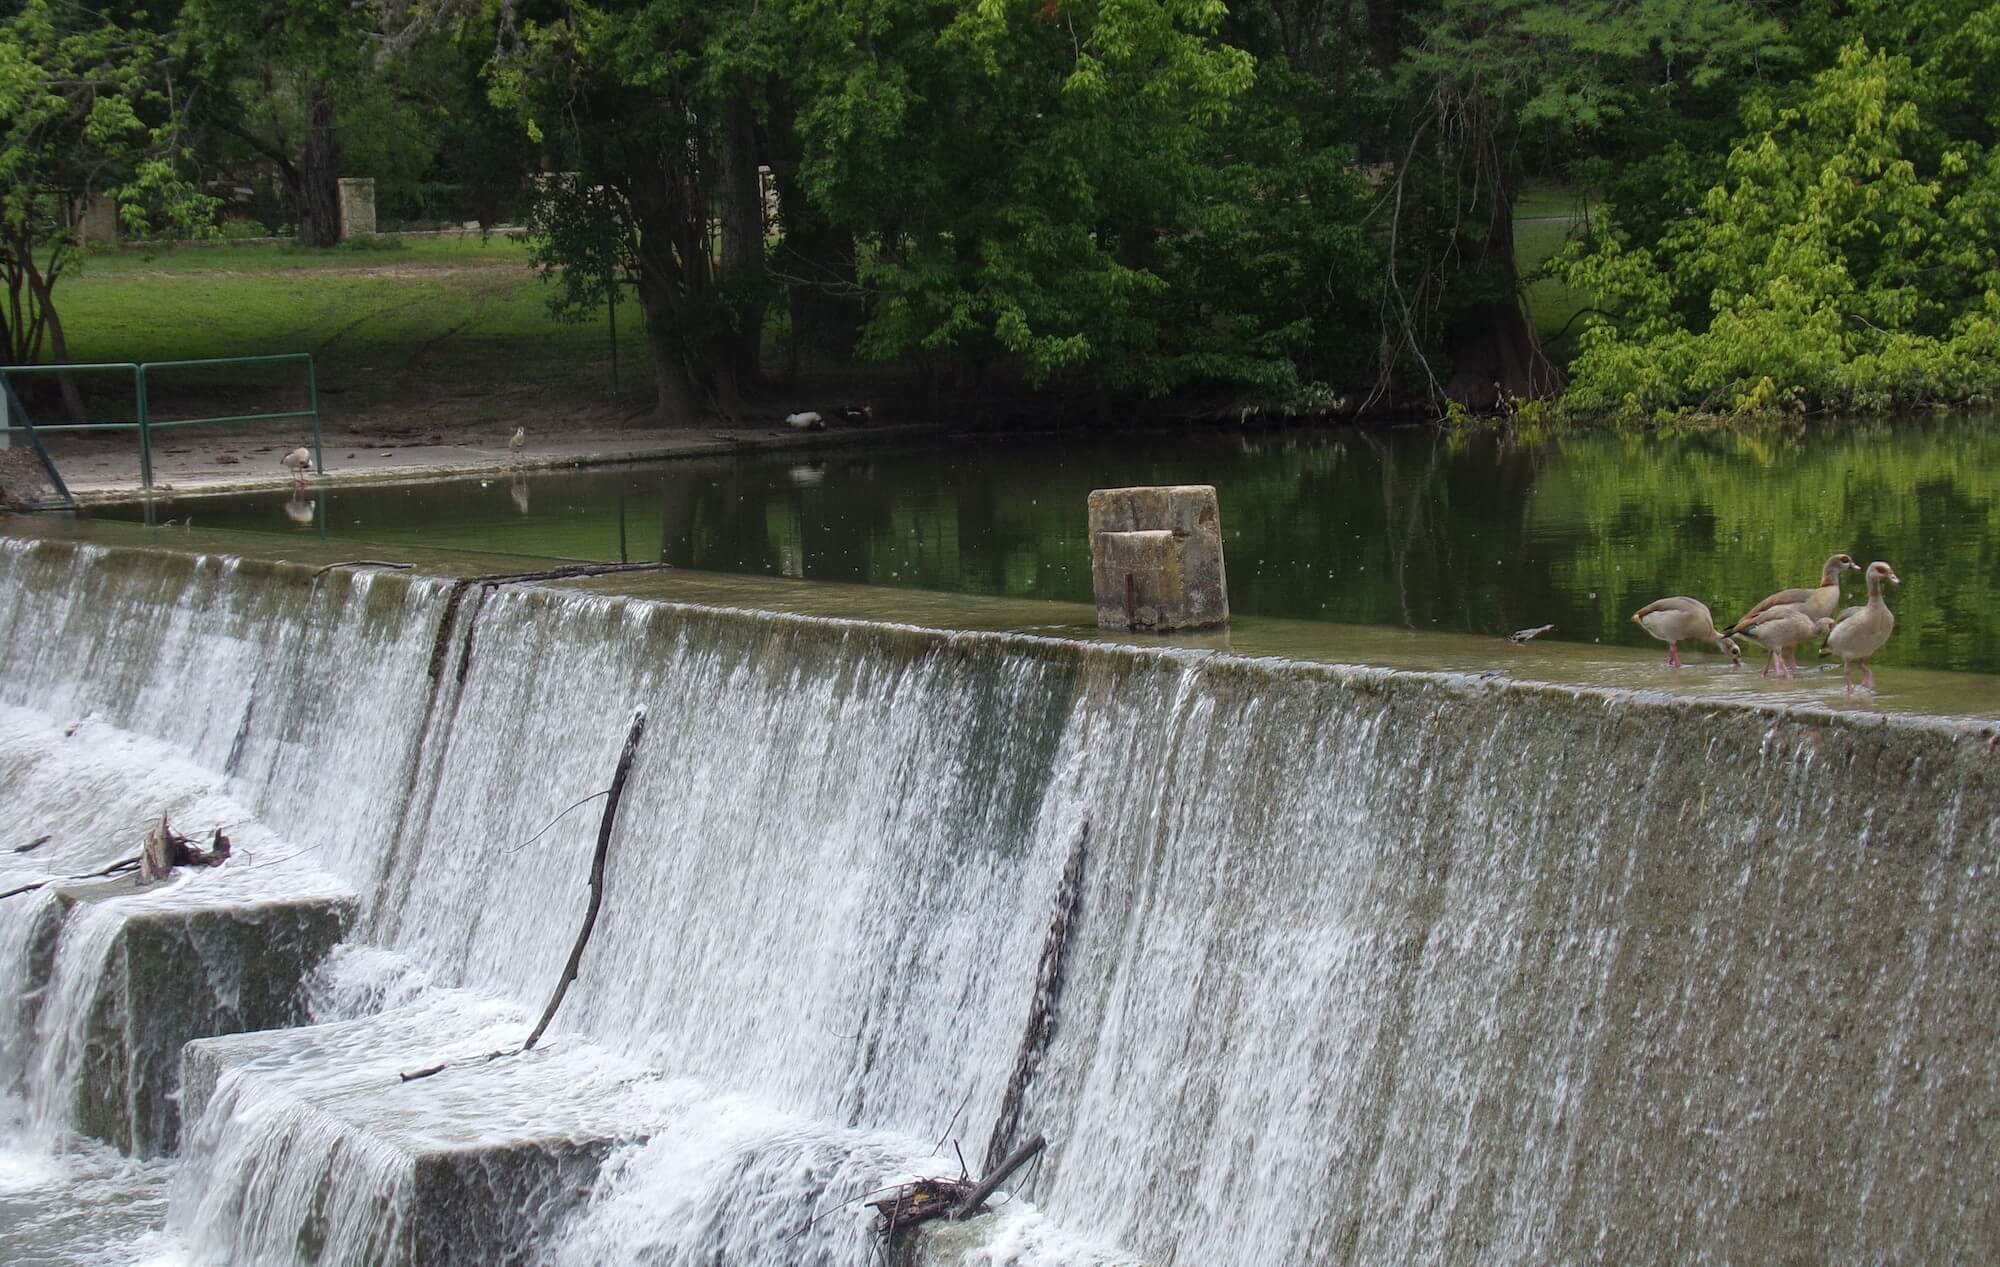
x,y
1414,528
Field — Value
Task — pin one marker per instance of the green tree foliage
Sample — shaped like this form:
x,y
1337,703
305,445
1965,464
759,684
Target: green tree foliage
x,y
1073,184
655,104
84,113
1484,83
1850,259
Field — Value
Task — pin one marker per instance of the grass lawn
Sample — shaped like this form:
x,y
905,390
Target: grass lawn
x,y
434,332
1546,217
439,320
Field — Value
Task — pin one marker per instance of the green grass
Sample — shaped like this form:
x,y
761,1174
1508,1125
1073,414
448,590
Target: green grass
x,y
438,319
1551,303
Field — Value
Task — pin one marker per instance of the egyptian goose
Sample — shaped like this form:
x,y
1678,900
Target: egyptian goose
x,y
1673,619
1818,601
1779,629
1861,631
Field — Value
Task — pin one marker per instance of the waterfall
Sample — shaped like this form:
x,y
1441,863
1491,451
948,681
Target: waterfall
x,y
1291,963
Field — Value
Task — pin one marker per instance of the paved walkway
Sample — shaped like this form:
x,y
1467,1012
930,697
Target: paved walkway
x,y
100,469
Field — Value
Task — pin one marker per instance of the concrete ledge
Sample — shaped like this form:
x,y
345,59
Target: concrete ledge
x,y
468,1168
178,974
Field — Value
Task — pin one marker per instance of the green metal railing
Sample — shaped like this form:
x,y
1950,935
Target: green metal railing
x,y
145,424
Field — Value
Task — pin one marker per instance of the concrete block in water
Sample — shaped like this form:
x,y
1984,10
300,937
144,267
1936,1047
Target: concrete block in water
x,y
1156,558
468,1168
181,973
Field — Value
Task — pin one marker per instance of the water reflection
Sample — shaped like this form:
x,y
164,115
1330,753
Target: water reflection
x,y
1415,528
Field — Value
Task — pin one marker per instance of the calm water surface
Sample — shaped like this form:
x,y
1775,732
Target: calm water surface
x,y
1412,528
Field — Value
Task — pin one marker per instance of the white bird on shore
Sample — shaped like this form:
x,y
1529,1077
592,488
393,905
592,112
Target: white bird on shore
x,y
298,461
809,420
517,442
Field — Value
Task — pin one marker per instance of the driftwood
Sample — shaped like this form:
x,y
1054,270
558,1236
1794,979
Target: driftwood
x,y
596,878
464,584
991,1183
597,860
925,1199
1041,1026
164,850
362,563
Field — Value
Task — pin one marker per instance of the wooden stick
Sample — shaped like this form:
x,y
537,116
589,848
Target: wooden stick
x,y
125,864
596,877
362,563
991,1183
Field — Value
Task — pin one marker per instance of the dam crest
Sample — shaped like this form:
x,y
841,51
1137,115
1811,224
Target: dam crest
x,y
1291,962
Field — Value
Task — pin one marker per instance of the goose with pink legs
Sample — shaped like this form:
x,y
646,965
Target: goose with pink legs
x,y
1678,619
1780,629
1860,632
1815,600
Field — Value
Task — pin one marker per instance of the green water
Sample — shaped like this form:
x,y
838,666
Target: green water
x,y
1415,529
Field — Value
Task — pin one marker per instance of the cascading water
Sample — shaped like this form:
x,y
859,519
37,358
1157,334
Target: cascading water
x,y
1291,964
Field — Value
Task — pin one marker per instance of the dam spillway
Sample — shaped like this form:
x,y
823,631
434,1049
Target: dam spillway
x,y
1356,965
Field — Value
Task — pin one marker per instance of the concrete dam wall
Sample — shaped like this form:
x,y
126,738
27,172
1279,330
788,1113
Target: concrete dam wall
x,y
1292,963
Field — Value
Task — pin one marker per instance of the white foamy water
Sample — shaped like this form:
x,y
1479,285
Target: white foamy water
x,y
1353,967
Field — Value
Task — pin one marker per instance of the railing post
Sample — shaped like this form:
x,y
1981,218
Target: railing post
x,y
312,402
145,431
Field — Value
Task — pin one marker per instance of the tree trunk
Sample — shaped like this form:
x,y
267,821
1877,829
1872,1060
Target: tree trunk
x,y
814,263
677,397
1496,355
44,298
316,194
742,277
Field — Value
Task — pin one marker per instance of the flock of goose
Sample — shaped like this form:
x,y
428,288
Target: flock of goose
x,y
1786,620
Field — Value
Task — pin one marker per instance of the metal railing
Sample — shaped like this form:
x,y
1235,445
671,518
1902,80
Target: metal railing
x,y
144,423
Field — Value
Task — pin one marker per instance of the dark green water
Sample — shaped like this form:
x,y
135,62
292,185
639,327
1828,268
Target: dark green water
x,y
1413,528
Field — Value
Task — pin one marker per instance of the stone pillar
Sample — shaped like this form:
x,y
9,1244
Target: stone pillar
x,y
357,206
99,223
1156,558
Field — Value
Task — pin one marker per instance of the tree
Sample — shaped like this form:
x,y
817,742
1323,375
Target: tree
x,y
86,111
1085,189
1850,259
271,72
1481,81
657,103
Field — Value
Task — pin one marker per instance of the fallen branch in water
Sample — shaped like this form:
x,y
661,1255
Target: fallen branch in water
x,y
165,849
925,1199
461,586
597,860
596,877
991,1183
362,563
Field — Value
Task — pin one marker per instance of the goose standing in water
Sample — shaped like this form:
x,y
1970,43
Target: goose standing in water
x,y
1816,600
1861,631
1672,620
1778,630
